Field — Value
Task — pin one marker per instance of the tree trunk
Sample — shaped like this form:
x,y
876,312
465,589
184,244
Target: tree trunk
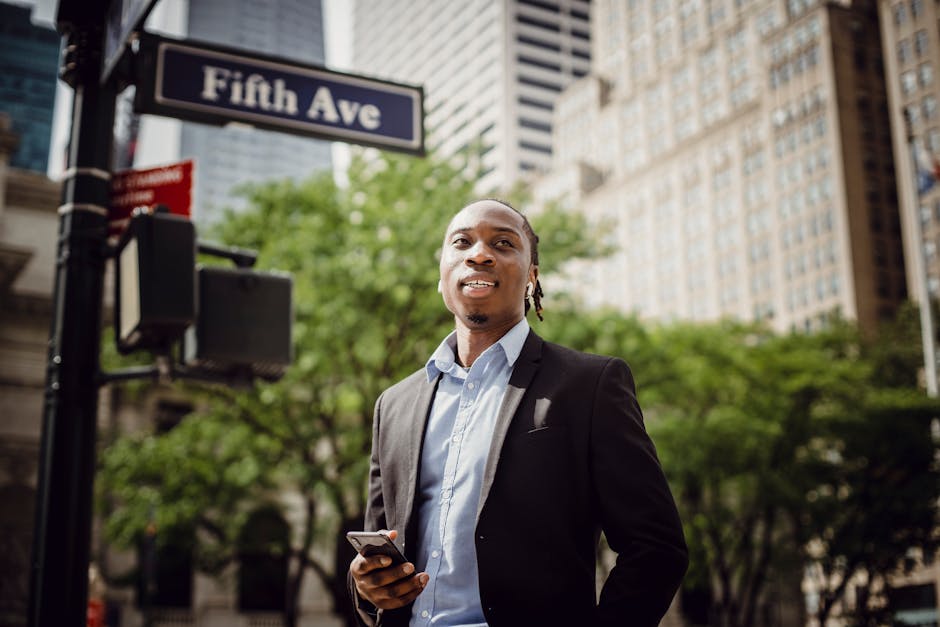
x,y
294,585
344,554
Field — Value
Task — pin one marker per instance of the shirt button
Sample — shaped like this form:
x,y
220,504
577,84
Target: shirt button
x,y
424,614
456,439
435,553
471,385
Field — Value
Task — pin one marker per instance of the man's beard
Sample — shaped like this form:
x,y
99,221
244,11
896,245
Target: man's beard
x,y
477,318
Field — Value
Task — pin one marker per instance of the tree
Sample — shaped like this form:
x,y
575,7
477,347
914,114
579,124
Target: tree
x,y
783,451
366,314
874,505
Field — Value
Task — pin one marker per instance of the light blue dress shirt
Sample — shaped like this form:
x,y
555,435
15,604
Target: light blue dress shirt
x,y
456,445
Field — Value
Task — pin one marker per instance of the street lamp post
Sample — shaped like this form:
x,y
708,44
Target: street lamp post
x,y
62,532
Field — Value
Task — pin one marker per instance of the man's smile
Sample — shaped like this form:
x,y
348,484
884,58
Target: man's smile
x,y
476,286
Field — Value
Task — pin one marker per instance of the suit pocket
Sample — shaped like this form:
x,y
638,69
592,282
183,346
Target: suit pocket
x,y
538,437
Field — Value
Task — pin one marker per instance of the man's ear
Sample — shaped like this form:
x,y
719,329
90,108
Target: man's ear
x,y
533,274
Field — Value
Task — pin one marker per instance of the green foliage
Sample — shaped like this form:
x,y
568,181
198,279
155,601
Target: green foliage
x,y
194,476
783,451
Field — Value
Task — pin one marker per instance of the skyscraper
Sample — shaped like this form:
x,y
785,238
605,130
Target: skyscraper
x,y
491,70
29,63
912,52
743,149
230,156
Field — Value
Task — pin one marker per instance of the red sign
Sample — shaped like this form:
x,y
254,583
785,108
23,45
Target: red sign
x,y
169,185
95,614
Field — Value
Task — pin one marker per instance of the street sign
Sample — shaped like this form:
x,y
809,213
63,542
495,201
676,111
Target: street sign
x,y
215,85
169,185
124,17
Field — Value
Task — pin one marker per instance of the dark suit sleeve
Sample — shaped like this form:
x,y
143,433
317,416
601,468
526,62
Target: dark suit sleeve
x,y
367,614
637,511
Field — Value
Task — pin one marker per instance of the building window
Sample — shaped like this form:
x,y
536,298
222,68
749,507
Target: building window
x,y
547,65
532,102
534,124
930,107
538,43
908,82
531,21
165,568
933,140
263,550
920,43
525,80
581,54
904,51
535,147
548,6
900,13
926,74
917,8
581,15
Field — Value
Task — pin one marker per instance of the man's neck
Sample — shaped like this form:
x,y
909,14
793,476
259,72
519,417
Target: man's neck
x,y
471,343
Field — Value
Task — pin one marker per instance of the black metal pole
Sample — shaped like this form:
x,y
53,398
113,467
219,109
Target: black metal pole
x,y
62,532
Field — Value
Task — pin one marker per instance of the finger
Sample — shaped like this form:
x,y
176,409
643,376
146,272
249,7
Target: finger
x,y
364,564
401,592
410,587
382,577
392,534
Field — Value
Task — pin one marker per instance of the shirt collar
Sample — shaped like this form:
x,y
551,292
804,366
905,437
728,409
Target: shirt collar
x,y
443,359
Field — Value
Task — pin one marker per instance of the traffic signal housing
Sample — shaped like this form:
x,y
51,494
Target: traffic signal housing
x,y
155,287
243,326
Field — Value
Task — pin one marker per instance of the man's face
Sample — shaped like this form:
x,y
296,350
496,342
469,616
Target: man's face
x,y
485,265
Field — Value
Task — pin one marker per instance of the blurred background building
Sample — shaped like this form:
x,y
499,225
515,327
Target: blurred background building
x,y
743,150
230,156
29,65
491,70
28,227
29,56
912,50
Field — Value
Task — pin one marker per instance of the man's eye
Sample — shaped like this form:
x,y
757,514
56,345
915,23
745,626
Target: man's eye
x,y
504,243
460,241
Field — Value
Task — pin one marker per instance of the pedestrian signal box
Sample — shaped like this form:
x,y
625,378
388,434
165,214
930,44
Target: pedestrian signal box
x,y
244,324
155,293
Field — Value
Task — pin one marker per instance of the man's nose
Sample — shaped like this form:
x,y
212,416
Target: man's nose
x,y
480,254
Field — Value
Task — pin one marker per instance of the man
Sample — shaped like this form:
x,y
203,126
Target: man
x,y
498,464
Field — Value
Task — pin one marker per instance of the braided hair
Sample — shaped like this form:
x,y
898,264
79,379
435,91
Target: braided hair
x,y
537,292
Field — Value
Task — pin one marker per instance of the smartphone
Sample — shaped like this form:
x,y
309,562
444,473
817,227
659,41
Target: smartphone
x,y
370,543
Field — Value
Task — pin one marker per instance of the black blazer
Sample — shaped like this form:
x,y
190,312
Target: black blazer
x,y
569,457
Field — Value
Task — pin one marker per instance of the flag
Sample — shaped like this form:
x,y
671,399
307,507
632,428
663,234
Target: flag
x,y
927,166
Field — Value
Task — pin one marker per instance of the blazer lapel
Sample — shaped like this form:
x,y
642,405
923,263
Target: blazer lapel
x,y
527,364
419,418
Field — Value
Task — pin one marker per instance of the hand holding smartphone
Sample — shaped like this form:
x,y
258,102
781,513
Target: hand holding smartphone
x,y
369,543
